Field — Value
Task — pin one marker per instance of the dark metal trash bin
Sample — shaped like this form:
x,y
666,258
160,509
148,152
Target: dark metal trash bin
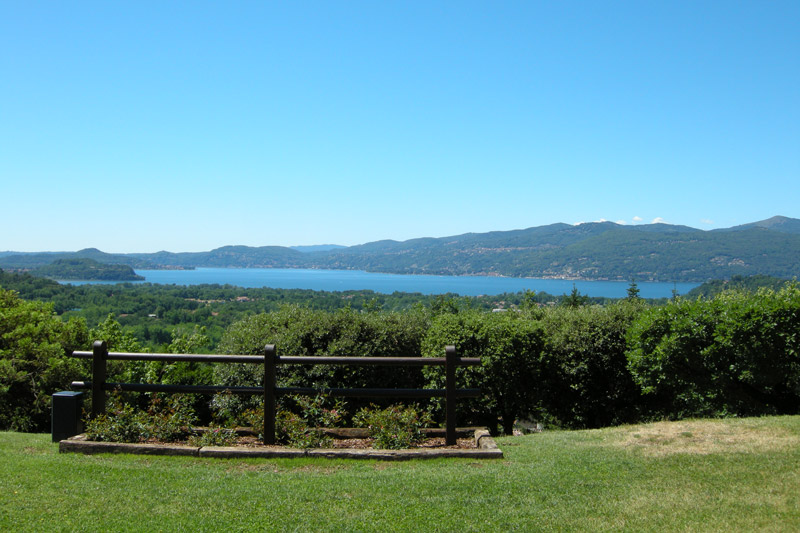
x,y
67,408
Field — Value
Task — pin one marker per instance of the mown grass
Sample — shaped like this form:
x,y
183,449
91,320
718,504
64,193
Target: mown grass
x,y
731,475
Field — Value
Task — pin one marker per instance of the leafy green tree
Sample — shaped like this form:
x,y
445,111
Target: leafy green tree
x,y
33,362
185,343
116,338
528,300
373,306
445,303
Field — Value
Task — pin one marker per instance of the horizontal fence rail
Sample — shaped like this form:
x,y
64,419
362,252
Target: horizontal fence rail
x,y
99,386
280,391
174,358
280,360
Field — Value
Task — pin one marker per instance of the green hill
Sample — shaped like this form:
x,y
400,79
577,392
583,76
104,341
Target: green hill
x,y
86,269
588,251
598,250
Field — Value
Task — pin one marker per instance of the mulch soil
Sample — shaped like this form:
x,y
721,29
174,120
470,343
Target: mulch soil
x,y
360,444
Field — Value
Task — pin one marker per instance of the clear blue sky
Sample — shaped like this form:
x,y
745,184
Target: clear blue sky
x,y
185,126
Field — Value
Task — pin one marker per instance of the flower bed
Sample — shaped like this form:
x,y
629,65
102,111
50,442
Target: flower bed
x,y
347,443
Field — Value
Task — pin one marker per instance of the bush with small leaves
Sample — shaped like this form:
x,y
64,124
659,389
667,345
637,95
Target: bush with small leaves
x,y
122,423
214,436
293,431
395,427
171,420
254,418
315,413
164,421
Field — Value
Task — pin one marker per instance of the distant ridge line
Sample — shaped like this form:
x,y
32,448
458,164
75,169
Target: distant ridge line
x,y
591,251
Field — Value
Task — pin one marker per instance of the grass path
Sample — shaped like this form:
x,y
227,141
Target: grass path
x,y
732,475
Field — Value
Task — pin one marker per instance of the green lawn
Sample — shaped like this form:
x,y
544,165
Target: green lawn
x,y
732,475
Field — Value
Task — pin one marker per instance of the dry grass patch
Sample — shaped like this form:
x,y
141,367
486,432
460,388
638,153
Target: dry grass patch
x,y
703,437
258,468
318,469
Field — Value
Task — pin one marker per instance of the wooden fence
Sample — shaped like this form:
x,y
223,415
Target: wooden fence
x,y
270,360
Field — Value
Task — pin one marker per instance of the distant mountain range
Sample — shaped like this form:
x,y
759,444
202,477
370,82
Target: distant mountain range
x,y
597,250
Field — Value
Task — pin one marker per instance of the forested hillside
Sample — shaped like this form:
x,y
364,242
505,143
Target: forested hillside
x,y
600,250
588,251
86,269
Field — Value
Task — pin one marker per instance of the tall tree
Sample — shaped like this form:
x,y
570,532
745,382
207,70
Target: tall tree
x,y
633,291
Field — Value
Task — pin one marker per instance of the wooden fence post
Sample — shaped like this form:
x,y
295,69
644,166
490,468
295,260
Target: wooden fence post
x,y
99,357
450,394
270,361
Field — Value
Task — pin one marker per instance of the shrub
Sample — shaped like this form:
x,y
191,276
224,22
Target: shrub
x,y
758,346
315,413
304,430
666,351
171,421
299,331
292,430
585,381
254,418
394,427
509,346
164,421
123,423
736,354
214,436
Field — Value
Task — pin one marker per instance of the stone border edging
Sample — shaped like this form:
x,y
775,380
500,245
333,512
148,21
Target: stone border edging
x,y
487,449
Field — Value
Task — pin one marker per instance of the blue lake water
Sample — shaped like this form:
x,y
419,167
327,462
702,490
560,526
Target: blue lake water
x,y
343,280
